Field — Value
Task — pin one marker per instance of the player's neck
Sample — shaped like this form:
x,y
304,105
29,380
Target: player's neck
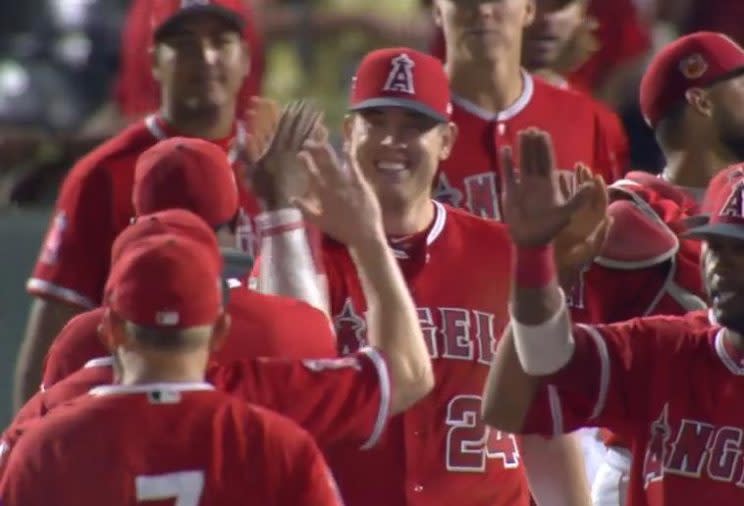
x,y
212,125
694,168
168,366
493,89
399,222
550,76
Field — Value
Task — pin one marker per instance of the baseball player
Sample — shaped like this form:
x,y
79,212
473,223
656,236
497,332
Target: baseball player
x,y
138,94
493,99
187,442
668,384
646,268
557,26
194,174
200,61
437,452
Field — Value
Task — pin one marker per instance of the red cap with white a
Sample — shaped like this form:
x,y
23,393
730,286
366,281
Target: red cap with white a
x,y
402,77
724,206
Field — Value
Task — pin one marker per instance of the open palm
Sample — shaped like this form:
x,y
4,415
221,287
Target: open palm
x,y
532,209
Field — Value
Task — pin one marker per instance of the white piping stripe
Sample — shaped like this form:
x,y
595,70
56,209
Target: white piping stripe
x,y
149,387
151,122
556,411
729,362
385,396
99,362
66,294
439,222
604,372
518,106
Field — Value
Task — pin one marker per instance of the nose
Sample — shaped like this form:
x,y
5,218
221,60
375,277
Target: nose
x,y
208,52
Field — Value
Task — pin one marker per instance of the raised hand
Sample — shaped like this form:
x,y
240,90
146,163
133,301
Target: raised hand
x,y
533,208
274,144
340,202
582,239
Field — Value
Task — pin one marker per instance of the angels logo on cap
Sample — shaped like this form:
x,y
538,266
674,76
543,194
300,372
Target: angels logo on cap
x,y
401,75
694,66
734,206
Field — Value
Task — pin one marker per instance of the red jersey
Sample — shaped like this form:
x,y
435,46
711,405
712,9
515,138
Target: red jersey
x,y
137,93
675,388
437,452
159,442
94,205
470,177
261,326
634,276
623,36
344,399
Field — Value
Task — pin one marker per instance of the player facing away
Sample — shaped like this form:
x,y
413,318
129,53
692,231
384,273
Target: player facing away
x,y
494,98
456,266
669,385
200,61
162,433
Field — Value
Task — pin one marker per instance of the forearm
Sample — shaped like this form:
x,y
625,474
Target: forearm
x,y
46,319
287,267
555,470
392,322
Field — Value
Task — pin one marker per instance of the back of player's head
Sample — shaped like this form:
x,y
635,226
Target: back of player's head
x,y
167,288
186,173
698,60
166,15
402,77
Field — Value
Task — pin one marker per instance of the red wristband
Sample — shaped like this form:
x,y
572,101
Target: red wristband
x,y
534,267
280,229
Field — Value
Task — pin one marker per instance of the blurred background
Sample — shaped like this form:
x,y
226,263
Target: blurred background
x,y
68,67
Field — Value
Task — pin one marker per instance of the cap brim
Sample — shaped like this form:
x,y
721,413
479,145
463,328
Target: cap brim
x,y
229,16
404,103
727,230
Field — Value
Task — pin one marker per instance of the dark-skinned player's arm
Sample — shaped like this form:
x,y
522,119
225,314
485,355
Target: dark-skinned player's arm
x,y
342,204
545,232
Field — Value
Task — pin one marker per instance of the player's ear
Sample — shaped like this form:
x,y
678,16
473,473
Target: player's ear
x,y
154,62
245,59
348,127
111,330
220,331
530,12
449,136
436,12
699,101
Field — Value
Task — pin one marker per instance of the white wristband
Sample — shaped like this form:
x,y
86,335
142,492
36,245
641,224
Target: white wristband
x,y
546,348
271,219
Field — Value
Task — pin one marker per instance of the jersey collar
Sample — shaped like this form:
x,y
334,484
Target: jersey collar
x,y
433,233
518,106
159,129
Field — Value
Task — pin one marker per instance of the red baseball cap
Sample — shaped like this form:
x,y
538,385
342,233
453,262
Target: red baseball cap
x,y
724,206
167,281
402,77
186,173
165,14
696,60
